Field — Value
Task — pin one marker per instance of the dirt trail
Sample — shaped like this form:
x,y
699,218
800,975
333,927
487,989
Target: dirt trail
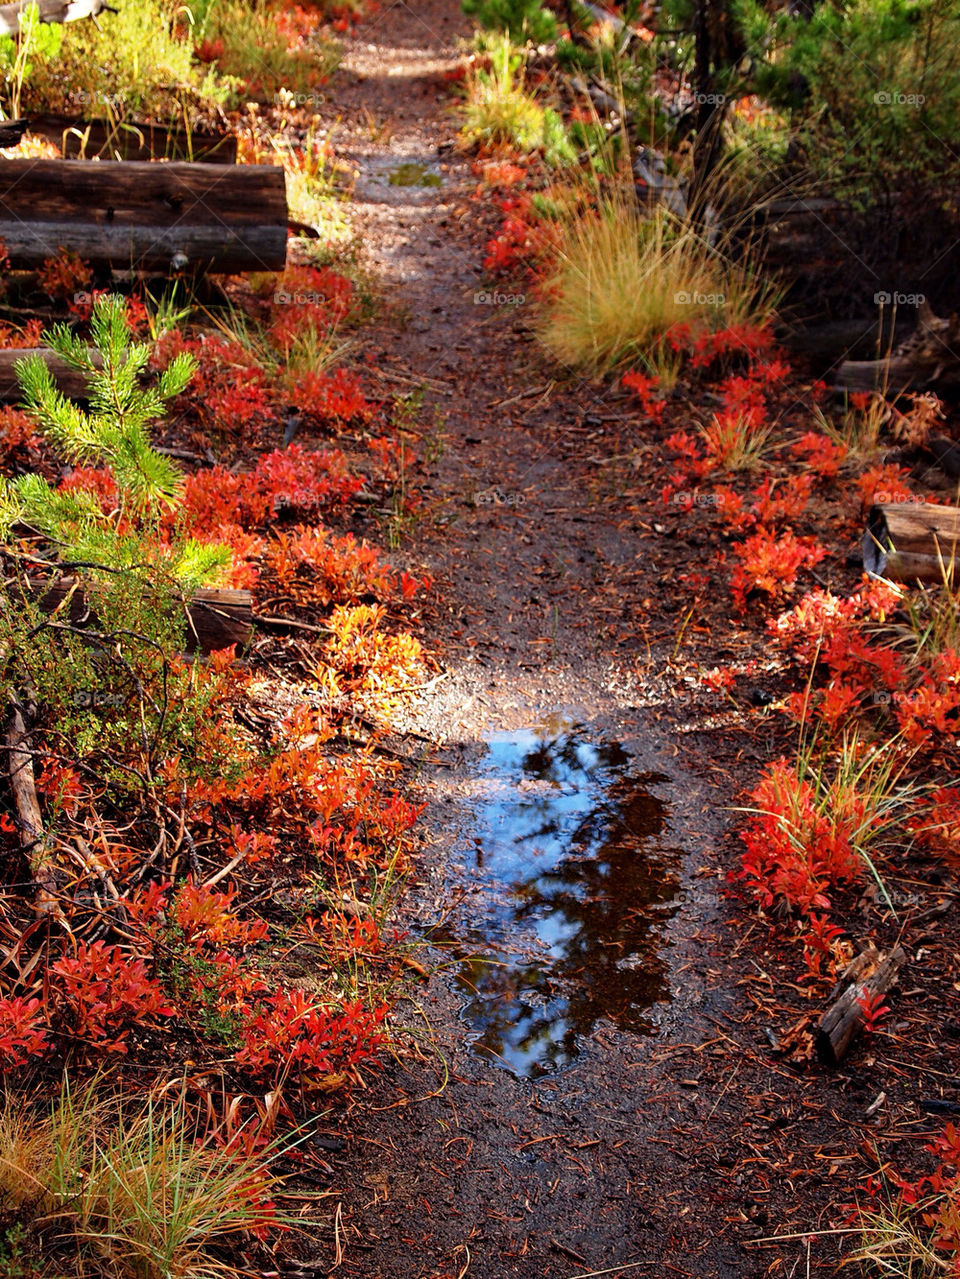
x,y
633,1156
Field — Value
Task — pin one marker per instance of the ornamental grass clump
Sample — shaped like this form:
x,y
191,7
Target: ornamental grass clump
x,y
623,280
132,1192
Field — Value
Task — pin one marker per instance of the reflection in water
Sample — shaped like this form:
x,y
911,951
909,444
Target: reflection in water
x,y
571,874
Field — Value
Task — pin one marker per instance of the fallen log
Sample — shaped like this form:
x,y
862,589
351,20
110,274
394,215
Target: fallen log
x,y
144,216
11,131
218,618
870,975
33,840
792,207
911,541
930,357
893,375
50,11
215,618
70,381
946,455
102,139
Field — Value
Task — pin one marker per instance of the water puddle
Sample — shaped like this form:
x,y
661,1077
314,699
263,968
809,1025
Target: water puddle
x,y
413,175
570,889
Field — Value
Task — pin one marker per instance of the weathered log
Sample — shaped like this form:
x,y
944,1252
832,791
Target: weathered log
x,y
143,216
72,382
33,840
930,357
894,374
870,975
911,541
793,207
946,454
50,11
215,618
93,139
823,343
11,131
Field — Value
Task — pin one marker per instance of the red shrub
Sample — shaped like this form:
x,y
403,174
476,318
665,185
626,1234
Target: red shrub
x,y
770,563
823,455
291,1031
105,992
798,842
22,1031
204,918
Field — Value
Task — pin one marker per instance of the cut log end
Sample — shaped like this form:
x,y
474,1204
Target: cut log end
x,y
870,975
912,542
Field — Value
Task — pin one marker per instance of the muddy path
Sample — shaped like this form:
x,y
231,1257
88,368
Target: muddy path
x,y
649,1150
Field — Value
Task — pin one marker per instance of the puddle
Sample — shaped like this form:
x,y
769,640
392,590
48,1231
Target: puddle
x,y
571,886
413,175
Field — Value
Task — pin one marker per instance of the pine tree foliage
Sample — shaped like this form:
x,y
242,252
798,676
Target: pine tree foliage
x,y
113,432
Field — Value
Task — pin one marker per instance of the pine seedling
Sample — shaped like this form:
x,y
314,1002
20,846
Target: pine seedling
x,y
113,432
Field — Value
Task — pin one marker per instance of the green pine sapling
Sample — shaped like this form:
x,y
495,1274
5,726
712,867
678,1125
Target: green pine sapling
x,y
113,432
109,679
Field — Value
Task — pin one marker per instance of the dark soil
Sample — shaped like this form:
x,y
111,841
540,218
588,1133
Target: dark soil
x,y
681,1145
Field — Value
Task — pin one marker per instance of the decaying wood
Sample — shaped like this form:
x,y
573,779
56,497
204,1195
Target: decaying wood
x,y
33,840
50,11
144,216
911,541
930,357
11,131
93,139
72,382
946,455
215,618
793,207
869,975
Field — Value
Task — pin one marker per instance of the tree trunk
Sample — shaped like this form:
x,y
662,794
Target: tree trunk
x,y
717,50
870,975
911,541
33,840
144,216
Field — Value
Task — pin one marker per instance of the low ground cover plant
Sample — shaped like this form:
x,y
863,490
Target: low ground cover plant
x,y
164,805
160,61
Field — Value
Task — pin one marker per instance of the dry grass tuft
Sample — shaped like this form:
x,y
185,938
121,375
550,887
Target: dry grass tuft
x,y
132,1194
623,280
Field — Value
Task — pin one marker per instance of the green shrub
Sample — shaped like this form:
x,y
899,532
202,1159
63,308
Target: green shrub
x,y
135,62
499,110
256,51
522,20
36,39
110,683
874,87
